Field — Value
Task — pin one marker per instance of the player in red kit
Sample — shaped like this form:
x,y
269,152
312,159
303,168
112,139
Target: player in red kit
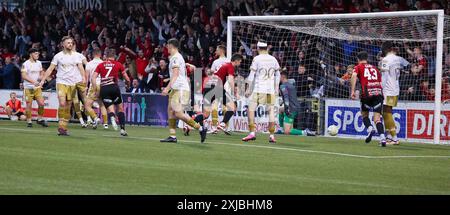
x,y
109,90
371,95
221,87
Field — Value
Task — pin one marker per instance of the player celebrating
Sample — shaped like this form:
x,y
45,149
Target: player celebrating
x,y
371,95
391,65
221,59
264,79
31,74
220,89
109,90
179,94
70,72
92,95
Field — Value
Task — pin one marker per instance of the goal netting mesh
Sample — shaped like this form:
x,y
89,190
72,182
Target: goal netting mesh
x,y
319,54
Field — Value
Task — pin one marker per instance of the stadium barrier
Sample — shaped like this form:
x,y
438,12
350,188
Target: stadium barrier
x,y
140,109
51,104
414,120
145,109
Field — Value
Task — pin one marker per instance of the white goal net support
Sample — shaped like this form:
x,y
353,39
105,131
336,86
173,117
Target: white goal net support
x,y
319,53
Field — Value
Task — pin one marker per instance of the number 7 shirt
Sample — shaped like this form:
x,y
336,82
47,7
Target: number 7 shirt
x,y
109,72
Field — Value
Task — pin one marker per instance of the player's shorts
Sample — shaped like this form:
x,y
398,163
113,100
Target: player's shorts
x,y
110,95
33,94
263,98
81,87
66,91
291,118
92,94
209,97
19,114
390,101
179,100
374,103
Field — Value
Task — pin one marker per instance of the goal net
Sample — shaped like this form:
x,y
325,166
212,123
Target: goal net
x,y
319,52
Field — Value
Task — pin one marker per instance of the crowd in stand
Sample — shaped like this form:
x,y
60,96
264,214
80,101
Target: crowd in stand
x,y
139,32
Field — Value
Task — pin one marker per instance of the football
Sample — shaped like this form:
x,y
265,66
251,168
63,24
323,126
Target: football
x,y
332,130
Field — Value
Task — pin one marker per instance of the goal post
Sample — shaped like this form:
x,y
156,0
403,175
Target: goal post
x,y
439,53
334,39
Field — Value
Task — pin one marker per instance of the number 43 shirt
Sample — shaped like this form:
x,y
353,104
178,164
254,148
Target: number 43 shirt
x,y
370,80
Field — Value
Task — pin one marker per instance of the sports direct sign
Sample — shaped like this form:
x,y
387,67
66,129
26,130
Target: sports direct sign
x,y
51,104
413,120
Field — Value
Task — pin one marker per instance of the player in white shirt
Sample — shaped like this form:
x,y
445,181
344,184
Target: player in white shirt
x,y
391,66
81,91
70,71
263,82
217,63
92,95
32,72
179,96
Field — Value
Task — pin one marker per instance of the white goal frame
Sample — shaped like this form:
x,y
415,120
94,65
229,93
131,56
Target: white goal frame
x,y
439,42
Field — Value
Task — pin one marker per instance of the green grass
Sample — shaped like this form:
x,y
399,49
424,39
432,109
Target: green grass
x,y
37,161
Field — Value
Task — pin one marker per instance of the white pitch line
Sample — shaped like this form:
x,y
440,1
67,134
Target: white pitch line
x,y
411,156
256,146
260,146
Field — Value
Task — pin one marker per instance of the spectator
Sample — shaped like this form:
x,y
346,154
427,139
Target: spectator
x,y
419,59
445,91
446,67
13,108
348,75
152,81
163,74
4,53
141,63
135,87
338,7
302,81
9,73
23,42
428,90
410,84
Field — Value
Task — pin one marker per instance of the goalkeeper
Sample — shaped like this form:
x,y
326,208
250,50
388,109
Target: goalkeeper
x,y
289,113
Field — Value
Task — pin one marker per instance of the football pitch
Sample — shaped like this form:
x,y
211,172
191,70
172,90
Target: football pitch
x,y
37,161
